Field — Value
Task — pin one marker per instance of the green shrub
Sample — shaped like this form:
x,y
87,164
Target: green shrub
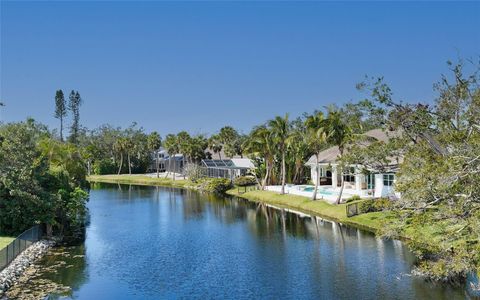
x,y
354,198
383,204
217,185
193,172
373,205
103,167
245,181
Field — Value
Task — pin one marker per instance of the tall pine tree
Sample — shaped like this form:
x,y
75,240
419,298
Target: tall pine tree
x,y
74,107
60,110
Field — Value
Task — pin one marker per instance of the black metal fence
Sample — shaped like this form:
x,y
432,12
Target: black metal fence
x,y
244,189
17,246
352,209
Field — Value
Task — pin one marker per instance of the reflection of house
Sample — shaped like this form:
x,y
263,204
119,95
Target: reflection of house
x,y
226,168
358,181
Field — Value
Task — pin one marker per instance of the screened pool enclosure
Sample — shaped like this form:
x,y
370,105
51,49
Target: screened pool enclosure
x,y
223,168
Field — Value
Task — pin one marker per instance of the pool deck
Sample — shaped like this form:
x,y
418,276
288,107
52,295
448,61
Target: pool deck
x,y
331,197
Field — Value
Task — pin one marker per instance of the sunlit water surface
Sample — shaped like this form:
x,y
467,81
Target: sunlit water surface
x,y
157,243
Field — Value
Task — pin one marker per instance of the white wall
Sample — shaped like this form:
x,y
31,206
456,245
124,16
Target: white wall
x,y
381,190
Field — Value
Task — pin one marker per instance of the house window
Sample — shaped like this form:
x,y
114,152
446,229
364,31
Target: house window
x,y
370,181
349,175
322,172
388,179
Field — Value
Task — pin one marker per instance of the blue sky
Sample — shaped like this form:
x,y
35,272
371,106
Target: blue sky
x,y
198,66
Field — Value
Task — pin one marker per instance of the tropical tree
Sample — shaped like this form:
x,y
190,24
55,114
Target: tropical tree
x,y
439,176
260,143
230,139
197,147
215,145
119,148
316,141
60,110
280,128
42,181
338,134
154,142
129,147
184,141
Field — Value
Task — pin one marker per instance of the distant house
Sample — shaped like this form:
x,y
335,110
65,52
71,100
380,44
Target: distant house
x,y
226,168
166,162
218,168
357,181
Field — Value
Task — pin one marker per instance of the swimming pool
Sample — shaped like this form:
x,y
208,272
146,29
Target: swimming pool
x,y
321,191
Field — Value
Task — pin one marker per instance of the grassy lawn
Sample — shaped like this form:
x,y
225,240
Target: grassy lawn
x,y
4,241
136,179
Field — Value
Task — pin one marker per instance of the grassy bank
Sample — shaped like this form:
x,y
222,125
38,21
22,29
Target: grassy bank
x,y
371,221
137,179
4,241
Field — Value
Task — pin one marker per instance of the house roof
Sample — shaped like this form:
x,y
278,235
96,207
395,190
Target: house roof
x,y
243,162
234,163
330,155
220,155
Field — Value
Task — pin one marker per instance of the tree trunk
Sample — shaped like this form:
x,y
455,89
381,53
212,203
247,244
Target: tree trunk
x,y
183,165
49,230
158,166
341,191
174,167
61,129
341,178
89,168
317,179
121,164
267,173
129,164
283,172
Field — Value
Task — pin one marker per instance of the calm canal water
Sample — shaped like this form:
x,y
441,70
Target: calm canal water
x,y
157,243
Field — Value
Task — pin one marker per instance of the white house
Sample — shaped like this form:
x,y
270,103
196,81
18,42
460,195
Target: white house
x,y
358,181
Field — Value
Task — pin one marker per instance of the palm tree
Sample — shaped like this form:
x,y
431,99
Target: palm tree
x,y
338,134
129,147
154,142
171,146
260,144
119,147
215,144
316,140
280,128
184,141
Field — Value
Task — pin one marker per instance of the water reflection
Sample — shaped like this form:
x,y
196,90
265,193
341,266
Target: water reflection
x,y
155,242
